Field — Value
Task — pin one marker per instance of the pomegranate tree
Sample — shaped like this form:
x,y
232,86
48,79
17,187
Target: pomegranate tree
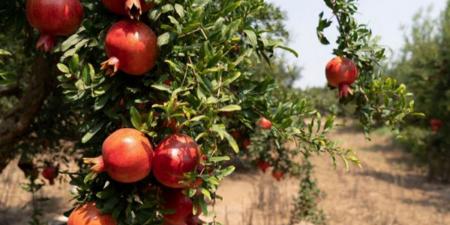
x,y
218,57
54,18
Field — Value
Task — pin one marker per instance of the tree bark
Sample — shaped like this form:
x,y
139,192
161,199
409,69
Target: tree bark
x,y
15,124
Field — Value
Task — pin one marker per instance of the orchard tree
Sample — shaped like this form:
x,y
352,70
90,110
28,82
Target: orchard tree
x,y
424,66
158,96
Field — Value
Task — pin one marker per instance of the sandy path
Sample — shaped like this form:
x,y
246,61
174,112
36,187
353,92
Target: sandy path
x,y
385,191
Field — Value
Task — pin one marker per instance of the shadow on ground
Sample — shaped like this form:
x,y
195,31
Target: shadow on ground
x,y
23,214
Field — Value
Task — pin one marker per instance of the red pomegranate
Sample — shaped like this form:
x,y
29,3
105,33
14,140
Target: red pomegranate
x,y
436,124
131,47
278,175
264,123
88,214
193,220
126,156
174,156
246,143
341,73
263,165
50,173
53,18
180,207
133,8
236,134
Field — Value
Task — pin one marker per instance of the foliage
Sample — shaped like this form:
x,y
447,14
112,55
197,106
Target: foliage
x,y
379,99
209,79
423,66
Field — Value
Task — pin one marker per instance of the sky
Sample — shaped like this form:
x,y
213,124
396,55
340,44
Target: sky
x,y
385,17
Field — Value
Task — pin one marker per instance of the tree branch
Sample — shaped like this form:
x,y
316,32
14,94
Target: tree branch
x,y
15,124
12,90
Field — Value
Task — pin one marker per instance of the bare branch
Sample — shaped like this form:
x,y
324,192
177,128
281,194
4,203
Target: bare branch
x,y
15,124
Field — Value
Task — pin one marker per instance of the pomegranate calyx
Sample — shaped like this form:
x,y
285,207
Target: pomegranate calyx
x,y
344,90
98,165
111,66
134,8
45,43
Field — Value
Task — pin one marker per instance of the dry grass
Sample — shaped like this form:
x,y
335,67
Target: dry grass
x,y
385,191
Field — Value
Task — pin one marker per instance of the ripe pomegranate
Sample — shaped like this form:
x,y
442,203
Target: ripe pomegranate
x,y
131,47
246,143
126,156
133,8
263,165
278,175
88,214
341,73
174,156
179,205
193,220
236,135
264,123
50,173
436,124
53,18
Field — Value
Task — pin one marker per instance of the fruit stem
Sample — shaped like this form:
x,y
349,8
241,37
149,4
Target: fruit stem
x,y
134,8
111,66
344,90
45,43
98,165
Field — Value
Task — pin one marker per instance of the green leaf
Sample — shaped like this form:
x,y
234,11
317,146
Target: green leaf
x,y
136,118
92,132
162,87
180,10
252,38
63,68
217,159
164,39
230,108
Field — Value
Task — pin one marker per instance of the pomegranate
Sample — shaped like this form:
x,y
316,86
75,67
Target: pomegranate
x,y
341,73
131,47
50,173
133,8
264,123
246,143
126,156
179,205
236,135
193,220
174,156
88,214
278,175
263,165
436,124
53,18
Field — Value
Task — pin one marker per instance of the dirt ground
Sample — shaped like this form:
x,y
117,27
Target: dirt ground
x,y
386,190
